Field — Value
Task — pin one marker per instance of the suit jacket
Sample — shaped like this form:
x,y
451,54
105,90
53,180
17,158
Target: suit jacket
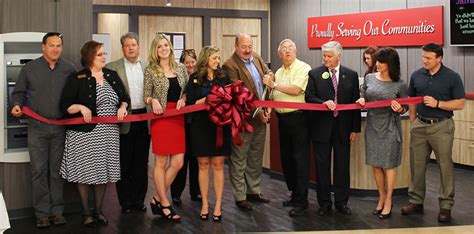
x,y
235,67
80,88
119,66
320,90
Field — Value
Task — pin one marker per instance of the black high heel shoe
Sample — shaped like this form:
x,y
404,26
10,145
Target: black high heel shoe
x,y
386,216
217,218
204,217
377,212
170,216
101,219
155,207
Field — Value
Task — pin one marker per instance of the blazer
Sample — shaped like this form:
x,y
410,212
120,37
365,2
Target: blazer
x,y
80,88
237,70
156,86
320,90
119,66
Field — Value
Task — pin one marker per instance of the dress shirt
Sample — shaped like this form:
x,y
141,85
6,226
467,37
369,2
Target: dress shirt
x,y
134,73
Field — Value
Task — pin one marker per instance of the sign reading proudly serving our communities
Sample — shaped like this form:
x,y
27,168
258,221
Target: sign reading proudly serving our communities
x,y
406,27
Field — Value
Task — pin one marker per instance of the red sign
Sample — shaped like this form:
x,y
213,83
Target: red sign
x,y
407,27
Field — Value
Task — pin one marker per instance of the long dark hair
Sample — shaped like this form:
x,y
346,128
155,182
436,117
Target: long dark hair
x,y
201,65
389,56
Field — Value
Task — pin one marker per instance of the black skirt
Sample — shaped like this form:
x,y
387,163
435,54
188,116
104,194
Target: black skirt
x,y
203,134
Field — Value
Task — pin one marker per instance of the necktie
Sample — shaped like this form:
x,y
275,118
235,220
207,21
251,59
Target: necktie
x,y
334,84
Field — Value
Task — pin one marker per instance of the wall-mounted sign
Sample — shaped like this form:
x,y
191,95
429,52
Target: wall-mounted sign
x,y
462,22
406,27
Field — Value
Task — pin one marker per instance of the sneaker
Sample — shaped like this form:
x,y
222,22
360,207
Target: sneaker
x,y
42,222
58,219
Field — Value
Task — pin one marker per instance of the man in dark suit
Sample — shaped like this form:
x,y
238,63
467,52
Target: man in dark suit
x,y
333,84
134,137
245,162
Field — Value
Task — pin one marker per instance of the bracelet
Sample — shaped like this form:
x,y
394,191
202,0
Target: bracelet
x,y
437,103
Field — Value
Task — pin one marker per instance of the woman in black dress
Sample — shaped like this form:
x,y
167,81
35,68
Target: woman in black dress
x,y
203,131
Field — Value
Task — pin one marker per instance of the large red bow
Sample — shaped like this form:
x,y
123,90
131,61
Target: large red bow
x,y
231,104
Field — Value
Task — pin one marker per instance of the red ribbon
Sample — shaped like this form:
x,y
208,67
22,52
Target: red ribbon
x,y
232,105
240,99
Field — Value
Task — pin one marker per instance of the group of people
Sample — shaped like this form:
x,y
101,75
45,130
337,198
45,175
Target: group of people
x,y
94,154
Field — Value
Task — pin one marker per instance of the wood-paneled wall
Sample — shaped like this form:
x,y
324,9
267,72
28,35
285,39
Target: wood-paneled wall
x,y
219,4
223,31
70,17
289,20
150,25
116,25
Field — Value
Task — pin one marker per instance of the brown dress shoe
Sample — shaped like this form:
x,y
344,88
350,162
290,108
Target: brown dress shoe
x,y
244,205
258,198
412,209
444,215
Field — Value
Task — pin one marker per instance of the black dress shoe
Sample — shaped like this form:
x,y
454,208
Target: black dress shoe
x,y
258,198
297,211
141,208
126,210
289,202
244,205
197,198
324,210
344,210
176,201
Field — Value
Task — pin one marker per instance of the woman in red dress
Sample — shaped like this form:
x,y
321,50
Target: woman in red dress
x,y
164,85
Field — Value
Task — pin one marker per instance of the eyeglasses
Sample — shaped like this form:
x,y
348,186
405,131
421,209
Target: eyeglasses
x,y
287,49
101,54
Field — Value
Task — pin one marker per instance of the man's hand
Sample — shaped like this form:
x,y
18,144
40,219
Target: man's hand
x,y
16,111
430,101
330,104
122,113
352,136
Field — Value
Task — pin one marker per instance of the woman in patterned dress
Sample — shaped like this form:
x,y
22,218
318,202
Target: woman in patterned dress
x,y
383,131
91,153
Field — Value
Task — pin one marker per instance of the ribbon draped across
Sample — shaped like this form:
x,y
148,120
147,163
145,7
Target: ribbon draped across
x,y
232,105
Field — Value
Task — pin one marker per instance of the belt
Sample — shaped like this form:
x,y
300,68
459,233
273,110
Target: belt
x,y
432,120
139,111
287,114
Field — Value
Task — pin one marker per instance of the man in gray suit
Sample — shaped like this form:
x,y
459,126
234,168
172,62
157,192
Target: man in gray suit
x,y
134,137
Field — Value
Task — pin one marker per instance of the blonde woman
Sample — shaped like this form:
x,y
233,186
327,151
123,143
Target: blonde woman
x,y
163,90
202,130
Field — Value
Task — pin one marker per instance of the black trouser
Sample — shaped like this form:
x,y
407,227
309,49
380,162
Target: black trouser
x,y
134,151
294,154
322,153
177,187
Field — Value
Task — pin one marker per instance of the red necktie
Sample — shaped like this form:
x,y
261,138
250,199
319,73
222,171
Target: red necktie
x,y
334,84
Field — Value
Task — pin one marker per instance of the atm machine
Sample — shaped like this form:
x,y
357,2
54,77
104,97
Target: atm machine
x,y
16,49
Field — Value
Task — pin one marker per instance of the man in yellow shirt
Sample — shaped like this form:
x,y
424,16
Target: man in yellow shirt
x,y
289,86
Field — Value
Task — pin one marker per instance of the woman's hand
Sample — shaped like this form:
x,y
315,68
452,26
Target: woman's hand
x,y
122,113
86,113
156,106
361,101
181,103
202,100
397,107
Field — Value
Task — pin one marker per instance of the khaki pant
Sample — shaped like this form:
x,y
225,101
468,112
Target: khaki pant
x,y
424,139
245,162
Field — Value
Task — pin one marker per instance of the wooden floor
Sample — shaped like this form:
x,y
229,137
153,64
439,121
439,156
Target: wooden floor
x,y
274,217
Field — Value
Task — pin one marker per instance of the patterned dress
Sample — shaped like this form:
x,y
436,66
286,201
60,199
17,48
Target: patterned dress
x,y
94,157
383,131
